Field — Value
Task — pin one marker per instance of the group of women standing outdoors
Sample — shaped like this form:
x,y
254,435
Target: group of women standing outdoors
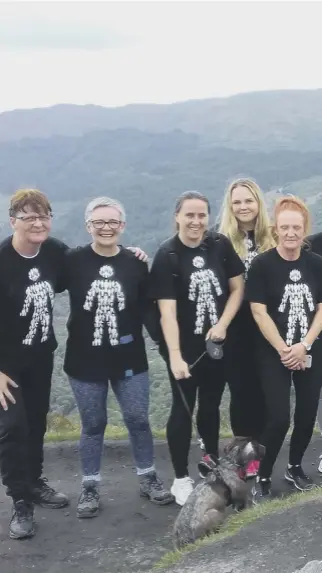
x,y
268,313
254,287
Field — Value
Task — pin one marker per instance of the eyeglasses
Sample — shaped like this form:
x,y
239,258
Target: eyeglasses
x,y
111,223
32,219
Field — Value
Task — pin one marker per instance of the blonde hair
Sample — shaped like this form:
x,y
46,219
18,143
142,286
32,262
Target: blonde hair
x,y
228,226
291,203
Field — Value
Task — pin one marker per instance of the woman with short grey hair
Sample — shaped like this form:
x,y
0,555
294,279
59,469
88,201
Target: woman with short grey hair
x,y
105,348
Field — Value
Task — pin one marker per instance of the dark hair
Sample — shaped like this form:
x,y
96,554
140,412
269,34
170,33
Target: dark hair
x,y
190,195
32,198
185,197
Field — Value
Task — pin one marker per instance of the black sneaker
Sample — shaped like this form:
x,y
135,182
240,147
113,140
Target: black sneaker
x,y
22,523
152,487
261,492
46,496
298,478
89,500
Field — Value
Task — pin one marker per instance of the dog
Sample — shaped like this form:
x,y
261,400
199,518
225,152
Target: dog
x,y
224,485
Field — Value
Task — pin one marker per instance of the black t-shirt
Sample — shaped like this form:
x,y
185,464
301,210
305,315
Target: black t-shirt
x,y
315,243
251,251
243,321
290,290
107,298
27,289
201,288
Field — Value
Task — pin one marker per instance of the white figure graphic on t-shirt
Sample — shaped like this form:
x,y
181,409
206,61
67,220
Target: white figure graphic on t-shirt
x,y
296,294
106,293
202,283
40,295
251,253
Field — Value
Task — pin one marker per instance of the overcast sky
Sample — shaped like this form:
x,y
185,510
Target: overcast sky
x,y
115,53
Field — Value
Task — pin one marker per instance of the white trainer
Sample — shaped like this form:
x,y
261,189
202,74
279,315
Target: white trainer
x,y
181,489
320,465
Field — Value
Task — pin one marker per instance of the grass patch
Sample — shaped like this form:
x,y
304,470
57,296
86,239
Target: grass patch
x,y
237,521
112,433
62,429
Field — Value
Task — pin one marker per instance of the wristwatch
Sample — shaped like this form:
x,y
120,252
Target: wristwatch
x,y
306,345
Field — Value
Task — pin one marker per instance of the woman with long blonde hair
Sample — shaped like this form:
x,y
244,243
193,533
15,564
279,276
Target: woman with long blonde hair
x,y
245,221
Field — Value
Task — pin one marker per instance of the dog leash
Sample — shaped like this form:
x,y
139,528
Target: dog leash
x,y
215,351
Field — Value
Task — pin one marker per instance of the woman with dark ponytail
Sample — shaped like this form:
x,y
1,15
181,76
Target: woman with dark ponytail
x,y
197,280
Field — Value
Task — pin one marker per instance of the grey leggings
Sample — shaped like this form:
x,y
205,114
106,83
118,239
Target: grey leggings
x,y
133,397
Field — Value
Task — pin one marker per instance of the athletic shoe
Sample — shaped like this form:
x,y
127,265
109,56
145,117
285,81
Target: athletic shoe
x,y
46,496
89,500
201,444
261,491
22,523
298,478
181,489
320,464
152,487
206,465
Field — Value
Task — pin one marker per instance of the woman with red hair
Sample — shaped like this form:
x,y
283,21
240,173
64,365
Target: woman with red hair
x,y
284,289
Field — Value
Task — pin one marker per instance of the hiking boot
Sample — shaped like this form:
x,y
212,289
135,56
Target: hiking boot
x,y
252,469
206,465
46,496
296,476
181,489
89,500
22,523
152,487
261,492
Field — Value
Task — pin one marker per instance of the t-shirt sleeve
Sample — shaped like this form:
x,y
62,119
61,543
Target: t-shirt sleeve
x,y
143,284
233,263
161,280
256,283
63,273
318,277
315,243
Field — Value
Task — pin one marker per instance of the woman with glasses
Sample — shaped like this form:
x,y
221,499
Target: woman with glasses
x,y
105,347
30,263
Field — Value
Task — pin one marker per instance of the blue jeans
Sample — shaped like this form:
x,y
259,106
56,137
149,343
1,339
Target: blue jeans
x,y
133,397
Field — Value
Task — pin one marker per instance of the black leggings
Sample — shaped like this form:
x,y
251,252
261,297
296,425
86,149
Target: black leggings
x,y
208,378
23,426
276,382
247,402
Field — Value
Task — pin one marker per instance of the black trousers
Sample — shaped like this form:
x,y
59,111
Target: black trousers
x,y
276,382
208,382
23,426
247,401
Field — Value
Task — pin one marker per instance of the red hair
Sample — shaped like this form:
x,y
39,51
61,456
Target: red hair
x,y
291,203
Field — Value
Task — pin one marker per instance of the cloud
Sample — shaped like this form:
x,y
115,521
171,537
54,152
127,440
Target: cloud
x,y
60,26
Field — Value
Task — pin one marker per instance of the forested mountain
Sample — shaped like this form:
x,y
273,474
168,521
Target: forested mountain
x,y
266,120
145,155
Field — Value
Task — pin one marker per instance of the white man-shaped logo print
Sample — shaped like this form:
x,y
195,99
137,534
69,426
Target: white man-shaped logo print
x,y
297,295
251,253
201,291
40,295
106,294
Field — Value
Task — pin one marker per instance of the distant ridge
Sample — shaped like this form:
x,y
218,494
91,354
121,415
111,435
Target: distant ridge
x,y
273,119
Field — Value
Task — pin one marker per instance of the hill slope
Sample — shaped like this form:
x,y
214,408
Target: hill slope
x,y
266,120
